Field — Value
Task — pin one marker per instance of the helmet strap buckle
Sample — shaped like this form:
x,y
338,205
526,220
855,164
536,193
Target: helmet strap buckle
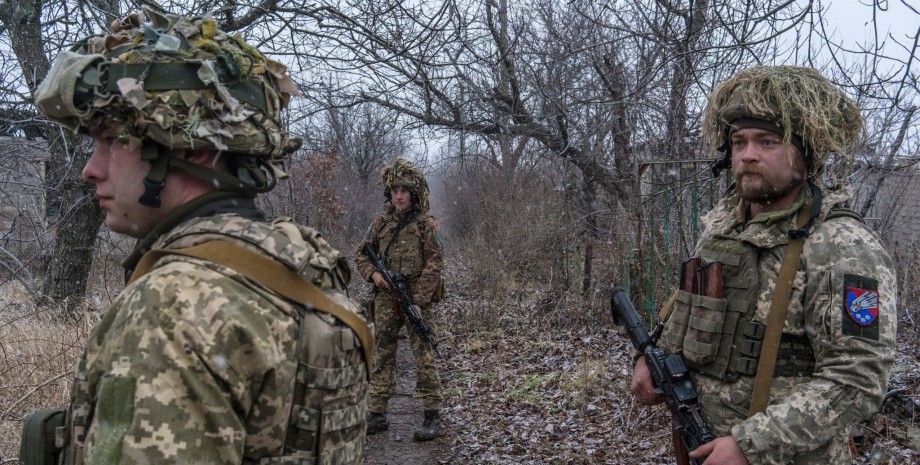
x,y
155,180
151,196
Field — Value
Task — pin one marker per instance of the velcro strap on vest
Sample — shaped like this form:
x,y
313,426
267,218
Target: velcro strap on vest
x,y
750,348
701,348
705,325
329,378
348,452
329,420
272,275
745,366
287,460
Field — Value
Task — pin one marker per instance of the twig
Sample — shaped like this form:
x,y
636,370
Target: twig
x,y
26,396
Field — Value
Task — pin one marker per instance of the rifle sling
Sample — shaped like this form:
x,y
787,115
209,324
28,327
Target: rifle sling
x,y
665,311
272,275
782,293
402,223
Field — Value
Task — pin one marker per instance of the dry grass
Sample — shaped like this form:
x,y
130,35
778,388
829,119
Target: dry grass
x,y
37,356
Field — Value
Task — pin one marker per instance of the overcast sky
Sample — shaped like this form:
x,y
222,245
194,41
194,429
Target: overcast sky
x,y
850,20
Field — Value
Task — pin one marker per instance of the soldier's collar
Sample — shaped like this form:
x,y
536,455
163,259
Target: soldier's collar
x,y
770,218
208,204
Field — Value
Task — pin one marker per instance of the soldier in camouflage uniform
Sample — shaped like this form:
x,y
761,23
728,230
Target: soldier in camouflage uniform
x,y
406,237
196,362
777,127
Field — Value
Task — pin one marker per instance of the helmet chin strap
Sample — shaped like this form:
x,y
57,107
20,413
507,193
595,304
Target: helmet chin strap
x,y
155,180
251,181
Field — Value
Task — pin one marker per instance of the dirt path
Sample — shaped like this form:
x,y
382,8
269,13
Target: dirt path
x,y
396,446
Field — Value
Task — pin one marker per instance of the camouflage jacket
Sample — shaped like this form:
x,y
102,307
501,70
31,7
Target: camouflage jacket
x,y
416,253
194,363
808,417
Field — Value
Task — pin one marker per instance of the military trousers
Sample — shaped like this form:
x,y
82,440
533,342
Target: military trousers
x,y
383,378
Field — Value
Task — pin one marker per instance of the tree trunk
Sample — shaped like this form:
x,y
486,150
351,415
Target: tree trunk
x,y
681,79
589,233
886,167
65,193
80,219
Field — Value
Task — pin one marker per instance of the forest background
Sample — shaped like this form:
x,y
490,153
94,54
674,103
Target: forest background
x,y
561,143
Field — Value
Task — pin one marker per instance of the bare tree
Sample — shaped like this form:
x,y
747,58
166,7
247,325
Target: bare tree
x,y
35,28
587,89
365,136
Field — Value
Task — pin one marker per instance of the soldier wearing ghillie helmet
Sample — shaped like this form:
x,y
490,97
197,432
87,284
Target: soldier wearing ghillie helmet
x,y
206,356
406,238
781,230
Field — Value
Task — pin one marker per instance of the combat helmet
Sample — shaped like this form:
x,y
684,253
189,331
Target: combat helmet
x,y
169,82
796,102
402,173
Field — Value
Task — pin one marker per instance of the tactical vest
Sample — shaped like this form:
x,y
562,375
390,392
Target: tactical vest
x,y
719,336
402,253
329,401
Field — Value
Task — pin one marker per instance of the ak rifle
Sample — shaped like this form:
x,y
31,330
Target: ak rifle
x,y
669,374
399,288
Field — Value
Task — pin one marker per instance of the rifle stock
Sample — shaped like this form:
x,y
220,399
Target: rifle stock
x,y
669,373
399,288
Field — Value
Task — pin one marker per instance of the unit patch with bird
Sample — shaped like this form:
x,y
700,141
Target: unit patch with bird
x,y
860,306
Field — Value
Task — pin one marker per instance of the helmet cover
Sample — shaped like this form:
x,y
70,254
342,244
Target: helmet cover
x,y
178,81
402,173
800,102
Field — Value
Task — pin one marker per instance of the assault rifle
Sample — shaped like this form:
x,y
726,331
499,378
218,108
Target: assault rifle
x,y
669,373
399,288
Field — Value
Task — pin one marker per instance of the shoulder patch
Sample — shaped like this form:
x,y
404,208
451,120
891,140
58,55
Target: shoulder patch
x,y
860,306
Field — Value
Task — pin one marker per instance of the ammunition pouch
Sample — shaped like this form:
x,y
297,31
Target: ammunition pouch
x,y
712,319
796,357
43,437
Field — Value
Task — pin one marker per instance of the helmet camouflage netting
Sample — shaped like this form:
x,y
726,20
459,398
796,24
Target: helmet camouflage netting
x,y
177,81
798,99
402,173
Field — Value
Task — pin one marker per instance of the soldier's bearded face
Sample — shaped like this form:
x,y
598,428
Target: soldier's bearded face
x,y
767,171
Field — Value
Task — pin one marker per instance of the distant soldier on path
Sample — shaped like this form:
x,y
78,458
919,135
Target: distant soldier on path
x,y
406,238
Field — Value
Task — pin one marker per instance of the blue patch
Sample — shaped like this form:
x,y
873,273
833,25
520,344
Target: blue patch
x,y
862,305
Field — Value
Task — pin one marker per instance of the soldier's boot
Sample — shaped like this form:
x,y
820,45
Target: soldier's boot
x,y
377,422
430,427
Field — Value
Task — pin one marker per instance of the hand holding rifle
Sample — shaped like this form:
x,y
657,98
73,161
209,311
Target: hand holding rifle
x,y
396,284
670,376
